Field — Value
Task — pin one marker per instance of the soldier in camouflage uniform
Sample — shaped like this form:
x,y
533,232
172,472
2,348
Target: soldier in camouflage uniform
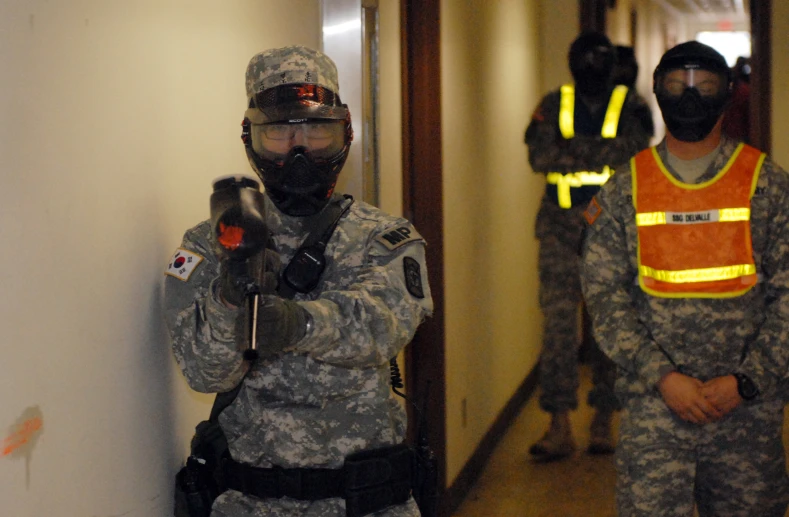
x,y
320,390
591,145
685,272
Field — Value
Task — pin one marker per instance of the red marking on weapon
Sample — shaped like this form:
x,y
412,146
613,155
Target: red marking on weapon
x,y
21,436
230,237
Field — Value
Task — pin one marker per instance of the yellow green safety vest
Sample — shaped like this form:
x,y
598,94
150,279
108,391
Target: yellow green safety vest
x,y
564,181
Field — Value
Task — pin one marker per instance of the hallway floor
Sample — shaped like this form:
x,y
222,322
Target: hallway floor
x,y
513,486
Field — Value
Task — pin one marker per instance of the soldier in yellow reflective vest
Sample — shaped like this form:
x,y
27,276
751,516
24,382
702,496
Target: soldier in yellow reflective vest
x,y
577,135
685,272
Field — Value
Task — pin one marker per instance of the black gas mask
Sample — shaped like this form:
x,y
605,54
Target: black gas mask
x,y
592,61
692,86
297,138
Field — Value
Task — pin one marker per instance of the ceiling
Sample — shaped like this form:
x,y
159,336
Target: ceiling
x,y
717,7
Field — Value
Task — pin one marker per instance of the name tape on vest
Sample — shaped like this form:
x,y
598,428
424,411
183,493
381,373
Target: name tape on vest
x,y
707,216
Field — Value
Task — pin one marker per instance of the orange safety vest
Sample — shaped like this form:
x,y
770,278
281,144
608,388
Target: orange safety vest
x,y
694,241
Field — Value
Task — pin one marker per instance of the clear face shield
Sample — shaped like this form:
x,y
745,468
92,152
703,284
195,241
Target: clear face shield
x,y
322,139
707,83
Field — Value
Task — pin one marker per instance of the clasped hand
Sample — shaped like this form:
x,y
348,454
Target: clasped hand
x,y
699,402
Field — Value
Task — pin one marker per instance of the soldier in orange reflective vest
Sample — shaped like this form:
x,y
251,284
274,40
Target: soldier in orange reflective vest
x,y
685,271
576,137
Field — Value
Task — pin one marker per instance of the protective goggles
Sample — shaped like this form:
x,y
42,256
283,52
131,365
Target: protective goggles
x,y
295,103
322,138
708,83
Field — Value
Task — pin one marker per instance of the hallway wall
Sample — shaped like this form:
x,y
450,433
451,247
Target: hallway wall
x,y
391,106
490,85
780,83
116,117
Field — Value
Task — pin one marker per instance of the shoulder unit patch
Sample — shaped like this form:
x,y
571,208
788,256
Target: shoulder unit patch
x,y
399,236
413,277
183,264
592,211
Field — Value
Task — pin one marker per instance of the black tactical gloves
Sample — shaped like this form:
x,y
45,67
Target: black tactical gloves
x,y
281,324
239,278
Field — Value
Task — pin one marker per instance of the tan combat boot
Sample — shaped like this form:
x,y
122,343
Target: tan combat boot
x,y
601,440
557,442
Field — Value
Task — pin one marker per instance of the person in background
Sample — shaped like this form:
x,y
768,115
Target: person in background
x,y
737,119
685,271
577,136
625,67
319,393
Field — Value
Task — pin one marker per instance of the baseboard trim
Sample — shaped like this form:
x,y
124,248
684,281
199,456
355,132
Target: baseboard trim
x,y
454,495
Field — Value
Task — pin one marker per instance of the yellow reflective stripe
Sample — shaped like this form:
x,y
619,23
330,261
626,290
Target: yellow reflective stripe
x,y
614,111
567,111
735,214
612,114
564,182
724,215
650,218
709,274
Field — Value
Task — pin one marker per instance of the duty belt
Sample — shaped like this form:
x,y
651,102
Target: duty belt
x,y
368,481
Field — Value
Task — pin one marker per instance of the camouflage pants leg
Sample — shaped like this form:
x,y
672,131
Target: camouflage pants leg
x,y
236,504
741,464
602,395
731,468
560,300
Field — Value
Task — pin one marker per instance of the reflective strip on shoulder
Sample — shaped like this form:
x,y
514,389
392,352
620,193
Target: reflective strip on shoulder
x,y
614,111
567,111
709,274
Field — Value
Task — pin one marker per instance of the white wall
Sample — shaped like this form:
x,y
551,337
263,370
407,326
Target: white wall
x,y
115,118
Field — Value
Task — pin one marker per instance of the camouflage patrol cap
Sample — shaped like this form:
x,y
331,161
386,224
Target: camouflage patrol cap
x,y
290,65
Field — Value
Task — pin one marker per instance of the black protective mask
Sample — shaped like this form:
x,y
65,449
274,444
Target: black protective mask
x,y
691,116
300,186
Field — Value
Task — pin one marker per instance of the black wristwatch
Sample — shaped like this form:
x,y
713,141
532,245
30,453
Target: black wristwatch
x,y
746,387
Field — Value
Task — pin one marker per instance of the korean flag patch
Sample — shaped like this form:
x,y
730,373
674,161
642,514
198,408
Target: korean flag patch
x,y
183,264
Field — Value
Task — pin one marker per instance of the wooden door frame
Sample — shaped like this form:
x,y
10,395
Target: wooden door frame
x,y
423,206
761,75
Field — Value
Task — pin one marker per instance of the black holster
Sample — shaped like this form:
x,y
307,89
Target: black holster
x,y
425,483
200,481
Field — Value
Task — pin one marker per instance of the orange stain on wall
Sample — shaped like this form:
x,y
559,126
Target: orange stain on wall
x,y
21,436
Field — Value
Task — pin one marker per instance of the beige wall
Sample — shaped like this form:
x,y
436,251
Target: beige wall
x,y
618,23
780,76
559,24
391,159
116,116
490,85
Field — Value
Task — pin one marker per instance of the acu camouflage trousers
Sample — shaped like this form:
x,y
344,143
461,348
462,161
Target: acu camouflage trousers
x,y
561,300
731,468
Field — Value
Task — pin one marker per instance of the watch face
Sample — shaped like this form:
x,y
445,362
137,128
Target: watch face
x,y
746,387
